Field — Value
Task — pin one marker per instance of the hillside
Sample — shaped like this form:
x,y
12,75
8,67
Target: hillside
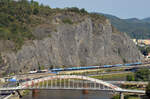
x,y
135,28
146,19
34,36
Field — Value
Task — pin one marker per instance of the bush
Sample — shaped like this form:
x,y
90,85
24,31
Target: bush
x,y
1,60
77,10
142,75
35,11
116,97
148,90
74,9
144,50
83,10
67,21
130,78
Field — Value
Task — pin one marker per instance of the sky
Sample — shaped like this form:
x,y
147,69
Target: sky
x,y
121,8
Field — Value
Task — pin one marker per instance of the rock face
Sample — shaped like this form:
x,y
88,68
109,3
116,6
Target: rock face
x,y
81,44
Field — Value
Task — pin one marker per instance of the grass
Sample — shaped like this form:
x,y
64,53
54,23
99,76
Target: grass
x,y
112,76
25,92
114,69
133,97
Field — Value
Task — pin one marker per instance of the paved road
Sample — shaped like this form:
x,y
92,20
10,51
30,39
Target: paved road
x,y
111,73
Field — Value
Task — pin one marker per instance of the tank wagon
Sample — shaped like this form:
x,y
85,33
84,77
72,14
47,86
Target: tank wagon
x,y
94,67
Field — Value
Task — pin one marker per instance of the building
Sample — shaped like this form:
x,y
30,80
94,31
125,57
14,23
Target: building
x,y
141,41
144,41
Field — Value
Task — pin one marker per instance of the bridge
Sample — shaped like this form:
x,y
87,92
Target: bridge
x,y
70,82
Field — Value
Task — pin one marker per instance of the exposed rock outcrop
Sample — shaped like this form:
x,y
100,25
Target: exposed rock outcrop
x,y
81,43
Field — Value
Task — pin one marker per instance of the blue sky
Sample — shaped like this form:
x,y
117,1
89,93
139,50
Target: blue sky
x,y
120,8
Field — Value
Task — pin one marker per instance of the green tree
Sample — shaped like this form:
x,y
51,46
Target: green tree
x,y
148,90
35,11
142,75
83,10
130,78
41,67
74,9
144,50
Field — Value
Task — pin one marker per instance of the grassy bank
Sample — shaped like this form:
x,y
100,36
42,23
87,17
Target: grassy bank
x,y
112,76
117,96
23,93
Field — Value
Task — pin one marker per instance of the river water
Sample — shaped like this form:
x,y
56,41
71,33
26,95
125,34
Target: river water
x,y
68,94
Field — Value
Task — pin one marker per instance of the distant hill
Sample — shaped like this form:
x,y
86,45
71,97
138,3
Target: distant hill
x,y
146,19
136,28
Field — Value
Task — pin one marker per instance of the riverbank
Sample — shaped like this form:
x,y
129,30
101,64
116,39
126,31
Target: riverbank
x,y
117,96
23,93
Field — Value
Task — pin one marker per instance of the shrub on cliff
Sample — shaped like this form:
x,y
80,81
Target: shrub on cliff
x,y
77,10
67,21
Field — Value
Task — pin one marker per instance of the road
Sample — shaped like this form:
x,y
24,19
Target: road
x,y
110,73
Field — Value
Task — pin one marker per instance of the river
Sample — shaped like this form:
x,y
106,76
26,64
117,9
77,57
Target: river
x,y
68,94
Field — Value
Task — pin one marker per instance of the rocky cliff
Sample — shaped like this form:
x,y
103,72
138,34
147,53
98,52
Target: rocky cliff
x,y
69,39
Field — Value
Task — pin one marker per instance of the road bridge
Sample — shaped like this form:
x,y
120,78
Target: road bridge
x,y
69,82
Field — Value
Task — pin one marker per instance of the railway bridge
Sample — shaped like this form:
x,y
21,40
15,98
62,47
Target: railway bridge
x,y
70,82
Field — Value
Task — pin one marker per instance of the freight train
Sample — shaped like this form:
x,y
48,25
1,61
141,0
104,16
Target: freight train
x,y
94,67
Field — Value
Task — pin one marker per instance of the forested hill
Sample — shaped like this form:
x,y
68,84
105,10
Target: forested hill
x,y
135,28
16,18
19,17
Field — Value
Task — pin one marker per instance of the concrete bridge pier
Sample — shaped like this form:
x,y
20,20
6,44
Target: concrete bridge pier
x,y
121,95
35,93
85,91
20,96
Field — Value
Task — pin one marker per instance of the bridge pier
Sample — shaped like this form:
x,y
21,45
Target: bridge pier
x,y
121,95
35,93
85,91
20,96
